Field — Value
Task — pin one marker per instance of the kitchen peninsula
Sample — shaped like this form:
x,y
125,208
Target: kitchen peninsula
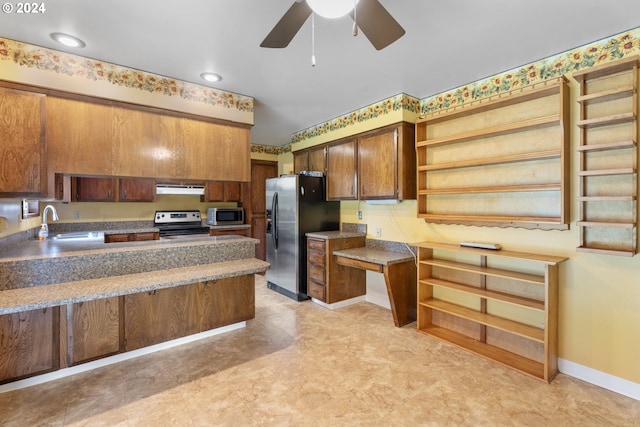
x,y
66,303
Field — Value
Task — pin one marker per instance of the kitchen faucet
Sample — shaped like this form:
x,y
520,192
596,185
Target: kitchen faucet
x,y
54,217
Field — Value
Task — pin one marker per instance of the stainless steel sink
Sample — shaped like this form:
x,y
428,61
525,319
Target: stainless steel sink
x,y
78,235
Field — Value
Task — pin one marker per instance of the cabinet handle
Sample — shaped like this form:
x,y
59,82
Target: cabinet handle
x,y
125,194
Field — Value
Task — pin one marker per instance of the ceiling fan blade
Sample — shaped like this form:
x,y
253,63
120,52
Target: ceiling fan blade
x,y
288,26
377,24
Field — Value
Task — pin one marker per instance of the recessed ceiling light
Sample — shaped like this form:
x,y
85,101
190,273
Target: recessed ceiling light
x,y
67,40
211,77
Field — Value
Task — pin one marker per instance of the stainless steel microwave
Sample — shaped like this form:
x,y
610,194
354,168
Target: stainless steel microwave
x,y
225,216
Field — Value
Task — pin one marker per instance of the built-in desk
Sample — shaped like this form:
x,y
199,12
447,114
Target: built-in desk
x,y
399,271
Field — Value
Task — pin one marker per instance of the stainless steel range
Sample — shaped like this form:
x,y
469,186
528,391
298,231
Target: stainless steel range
x,y
179,224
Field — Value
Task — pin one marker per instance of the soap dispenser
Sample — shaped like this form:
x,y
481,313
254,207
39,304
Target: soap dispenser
x,y
44,232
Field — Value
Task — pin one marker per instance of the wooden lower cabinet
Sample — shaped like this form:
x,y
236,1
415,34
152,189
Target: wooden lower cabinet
x,y
166,314
29,343
131,237
327,281
241,231
94,330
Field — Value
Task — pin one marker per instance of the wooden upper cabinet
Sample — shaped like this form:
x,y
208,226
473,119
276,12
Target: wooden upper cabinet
x,y
310,160
300,161
78,138
137,190
94,189
223,191
386,164
342,161
22,143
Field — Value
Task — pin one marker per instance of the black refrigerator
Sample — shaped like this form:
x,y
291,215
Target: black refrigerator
x,y
295,205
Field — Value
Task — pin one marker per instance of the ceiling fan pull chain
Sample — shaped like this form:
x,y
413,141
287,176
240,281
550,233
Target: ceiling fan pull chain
x,y
313,39
355,16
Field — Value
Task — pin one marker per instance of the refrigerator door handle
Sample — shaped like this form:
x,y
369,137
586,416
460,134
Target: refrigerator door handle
x,y
274,219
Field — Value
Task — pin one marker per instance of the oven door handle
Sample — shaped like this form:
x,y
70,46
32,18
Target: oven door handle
x,y
274,219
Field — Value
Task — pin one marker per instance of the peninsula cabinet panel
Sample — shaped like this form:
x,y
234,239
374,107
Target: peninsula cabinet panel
x,y
95,329
224,302
342,161
157,316
29,343
22,143
386,164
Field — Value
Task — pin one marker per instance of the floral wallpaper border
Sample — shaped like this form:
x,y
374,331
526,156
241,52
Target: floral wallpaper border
x,y
602,51
40,58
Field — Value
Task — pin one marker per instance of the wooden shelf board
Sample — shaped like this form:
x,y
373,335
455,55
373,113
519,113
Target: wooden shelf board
x,y
497,189
486,293
605,224
606,198
607,120
608,146
507,325
606,69
603,172
512,158
487,271
605,251
522,126
504,357
502,253
491,218
607,95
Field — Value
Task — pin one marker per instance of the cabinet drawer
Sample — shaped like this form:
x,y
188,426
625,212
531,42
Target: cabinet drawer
x,y
112,238
355,263
315,257
316,273
315,290
315,245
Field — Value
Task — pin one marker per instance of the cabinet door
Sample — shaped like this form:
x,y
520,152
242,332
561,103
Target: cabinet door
x,y
121,237
95,329
317,160
378,166
29,343
22,142
233,191
137,190
158,316
224,302
229,232
342,171
95,189
259,231
300,162
152,235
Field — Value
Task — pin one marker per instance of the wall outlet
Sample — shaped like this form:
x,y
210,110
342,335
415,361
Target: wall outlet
x,y
378,232
359,214
76,214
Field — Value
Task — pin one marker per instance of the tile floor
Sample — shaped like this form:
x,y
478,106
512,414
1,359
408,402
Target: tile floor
x,y
298,364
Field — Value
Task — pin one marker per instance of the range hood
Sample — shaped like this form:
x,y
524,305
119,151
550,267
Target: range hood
x,y
188,190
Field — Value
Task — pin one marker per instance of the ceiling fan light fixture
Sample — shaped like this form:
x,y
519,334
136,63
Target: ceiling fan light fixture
x,y
67,40
211,77
332,8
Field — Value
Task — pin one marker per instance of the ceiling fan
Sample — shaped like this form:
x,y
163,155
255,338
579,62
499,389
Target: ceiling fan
x,y
369,15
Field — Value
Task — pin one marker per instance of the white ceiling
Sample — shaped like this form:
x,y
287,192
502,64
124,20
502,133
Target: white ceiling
x,y
447,43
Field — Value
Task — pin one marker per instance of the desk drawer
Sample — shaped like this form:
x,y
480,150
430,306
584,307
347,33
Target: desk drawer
x,y
316,245
356,263
316,291
316,273
315,257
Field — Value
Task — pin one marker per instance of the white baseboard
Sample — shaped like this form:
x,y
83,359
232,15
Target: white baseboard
x,y
379,299
339,304
601,379
84,367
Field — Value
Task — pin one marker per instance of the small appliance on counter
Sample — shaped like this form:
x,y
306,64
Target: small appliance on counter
x,y
295,205
225,216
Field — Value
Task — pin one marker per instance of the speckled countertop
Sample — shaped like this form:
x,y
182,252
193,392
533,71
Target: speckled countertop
x,y
327,235
17,300
376,256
